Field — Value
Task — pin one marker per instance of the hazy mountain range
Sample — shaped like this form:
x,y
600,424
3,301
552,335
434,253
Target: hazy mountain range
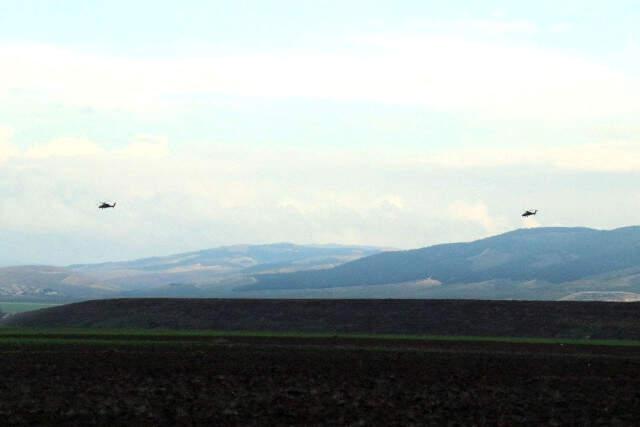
x,y
540,263
202,273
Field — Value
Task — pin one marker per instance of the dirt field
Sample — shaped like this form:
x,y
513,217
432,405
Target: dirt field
x,y
549,319
245,381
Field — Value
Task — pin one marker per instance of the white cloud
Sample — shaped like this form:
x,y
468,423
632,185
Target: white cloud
x,y
615,156
497,25
6,149
604,157
440,72
222,195
65,147
345,201
170,198
561,27
475,212
5,134
530,222
146,146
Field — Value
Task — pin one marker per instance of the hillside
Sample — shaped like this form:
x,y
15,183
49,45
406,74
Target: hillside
x,y
530,264
196,274
192,273
436,317
541,263
49,283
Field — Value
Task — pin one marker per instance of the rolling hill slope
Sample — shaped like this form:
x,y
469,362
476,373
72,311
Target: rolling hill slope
x,y
553,261
193,274
533,264
189,273
47,283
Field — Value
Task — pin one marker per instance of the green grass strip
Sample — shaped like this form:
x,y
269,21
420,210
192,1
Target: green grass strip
x,y
77,335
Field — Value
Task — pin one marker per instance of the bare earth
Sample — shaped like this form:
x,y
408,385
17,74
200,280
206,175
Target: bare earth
x,y
293,381
548,319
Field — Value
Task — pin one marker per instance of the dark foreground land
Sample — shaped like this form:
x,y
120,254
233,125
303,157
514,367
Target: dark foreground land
x,y
247,380
575,363
549,319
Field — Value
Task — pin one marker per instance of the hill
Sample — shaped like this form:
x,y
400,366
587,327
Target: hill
x,y
196,274
541,263
428,317
47,283
529,264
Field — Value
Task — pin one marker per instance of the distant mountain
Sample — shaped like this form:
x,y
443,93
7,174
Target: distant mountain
x,y
232,258
603,296
540,263
195,274
530,264
41,282
229,265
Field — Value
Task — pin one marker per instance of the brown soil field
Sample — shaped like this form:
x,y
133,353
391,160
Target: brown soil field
x,y
546,319
306,382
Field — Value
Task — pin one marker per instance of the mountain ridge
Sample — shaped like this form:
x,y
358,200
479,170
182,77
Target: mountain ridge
x,y
170,274
529,263
549,255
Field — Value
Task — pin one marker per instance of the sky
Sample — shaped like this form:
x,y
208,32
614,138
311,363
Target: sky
x,y
391,123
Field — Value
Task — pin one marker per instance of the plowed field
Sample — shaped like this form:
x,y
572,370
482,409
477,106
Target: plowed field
x,y
293,381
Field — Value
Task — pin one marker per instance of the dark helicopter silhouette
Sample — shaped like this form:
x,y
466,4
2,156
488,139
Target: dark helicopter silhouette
x,y
530,213
105,205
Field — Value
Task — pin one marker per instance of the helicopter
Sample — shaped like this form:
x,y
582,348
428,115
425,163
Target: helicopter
x,y
105,205
530,212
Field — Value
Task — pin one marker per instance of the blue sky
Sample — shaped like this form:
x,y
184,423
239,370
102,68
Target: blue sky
x,y
384,123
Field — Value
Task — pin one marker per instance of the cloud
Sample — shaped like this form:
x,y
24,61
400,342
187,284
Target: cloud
x,y
65,147
605,157
172,197
344,200
6,149
5,134
530,222
474,212
436,71
180,199
615,156
497,25
146,146
561,27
